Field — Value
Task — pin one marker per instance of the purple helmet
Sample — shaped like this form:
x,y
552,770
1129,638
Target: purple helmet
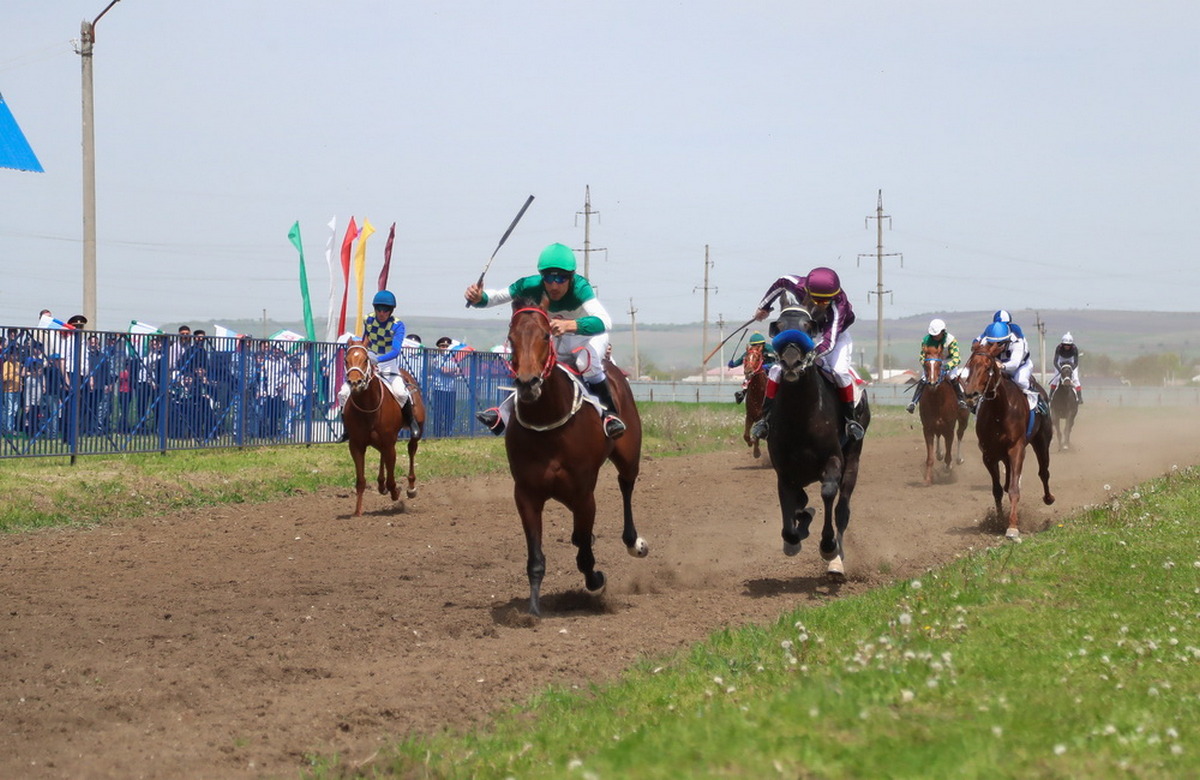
x,y
823,283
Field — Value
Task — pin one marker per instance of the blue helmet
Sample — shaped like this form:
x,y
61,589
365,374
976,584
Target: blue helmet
x,y
997,331
384,298
1002,316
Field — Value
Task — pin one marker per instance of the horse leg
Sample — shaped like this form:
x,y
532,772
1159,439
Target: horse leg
x,y
792,504
831,537
530,510
930,446
634,544
836,569
993,469
413,443
387,471
1016,460
582,537
1041,449
359,454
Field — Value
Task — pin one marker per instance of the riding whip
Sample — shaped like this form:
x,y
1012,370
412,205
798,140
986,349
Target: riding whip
x,y
503,238
740,328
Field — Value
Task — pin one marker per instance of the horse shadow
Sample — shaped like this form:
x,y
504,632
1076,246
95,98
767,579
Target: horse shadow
x,y
514,613
399,508
817,589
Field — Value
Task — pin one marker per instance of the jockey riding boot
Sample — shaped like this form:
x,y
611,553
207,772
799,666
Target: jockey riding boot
x,y
613,427
1079,396
916,397
739,396
413,426
762,426
490,418
854,429
958,391
345,435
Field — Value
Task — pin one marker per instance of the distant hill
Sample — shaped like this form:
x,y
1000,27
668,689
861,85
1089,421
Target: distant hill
x,y
678,349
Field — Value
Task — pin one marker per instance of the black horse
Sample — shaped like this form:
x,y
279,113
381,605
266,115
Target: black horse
x,y
1064,405
807,444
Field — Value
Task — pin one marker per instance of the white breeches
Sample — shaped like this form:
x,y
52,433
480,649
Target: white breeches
x,y
389,373
1057,379
837,362
585,353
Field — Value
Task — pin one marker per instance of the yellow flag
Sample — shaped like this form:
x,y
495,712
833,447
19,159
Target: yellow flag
x,y
360,270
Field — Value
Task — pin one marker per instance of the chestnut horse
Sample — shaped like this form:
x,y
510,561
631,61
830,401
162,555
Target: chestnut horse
x,y
942,420
372,416
1064,405
756,390
556,446
1002,422
806,443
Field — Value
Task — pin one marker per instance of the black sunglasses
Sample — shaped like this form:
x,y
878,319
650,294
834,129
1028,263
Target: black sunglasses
x,y
556,277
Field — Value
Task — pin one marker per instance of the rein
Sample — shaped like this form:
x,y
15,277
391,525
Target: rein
x,y
551,357
576,403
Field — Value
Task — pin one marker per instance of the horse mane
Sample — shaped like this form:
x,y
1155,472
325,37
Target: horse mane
x,y
526,302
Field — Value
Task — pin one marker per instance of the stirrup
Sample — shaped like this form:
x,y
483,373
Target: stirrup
x,y
613,426
490,419
760,429
855,430
739,396
912,405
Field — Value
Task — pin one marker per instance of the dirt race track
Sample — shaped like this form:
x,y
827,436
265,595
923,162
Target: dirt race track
x,y
231,642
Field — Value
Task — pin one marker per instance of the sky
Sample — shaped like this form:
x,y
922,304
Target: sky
x,y
1030,154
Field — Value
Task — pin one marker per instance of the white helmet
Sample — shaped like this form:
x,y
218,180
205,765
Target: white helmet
x,y
1068,338
936,327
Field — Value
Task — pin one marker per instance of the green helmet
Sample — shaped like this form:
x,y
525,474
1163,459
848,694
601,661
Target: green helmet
x,y
758,338
557,256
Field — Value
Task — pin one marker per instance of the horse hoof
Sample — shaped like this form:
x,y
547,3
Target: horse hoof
x,y
1048,499
639,549
836,571
411,492
601,581
791,550
1013,533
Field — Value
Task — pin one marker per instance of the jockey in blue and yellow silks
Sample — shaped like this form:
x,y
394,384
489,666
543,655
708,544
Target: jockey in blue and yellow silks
x,y
383,337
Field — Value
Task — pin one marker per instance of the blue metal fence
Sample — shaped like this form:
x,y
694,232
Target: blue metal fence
x,y
78,392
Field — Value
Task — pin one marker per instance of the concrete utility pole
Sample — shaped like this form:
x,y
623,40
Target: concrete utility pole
x,y
721,337
879,291
87,37
706,288
587,233
1041,329
637,367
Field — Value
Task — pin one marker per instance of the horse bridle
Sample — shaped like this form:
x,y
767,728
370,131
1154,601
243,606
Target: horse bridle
x,y
994,375
551,354
933,359
368,374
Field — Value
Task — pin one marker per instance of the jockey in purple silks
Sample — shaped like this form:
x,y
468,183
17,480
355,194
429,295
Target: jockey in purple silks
x,y
821,292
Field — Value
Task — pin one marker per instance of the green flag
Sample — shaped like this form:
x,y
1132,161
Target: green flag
x,y
294,236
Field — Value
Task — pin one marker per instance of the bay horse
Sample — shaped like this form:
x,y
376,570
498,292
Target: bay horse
x,y
756,391
1002,422
943,421
556,445
373,417
806,443
1064,405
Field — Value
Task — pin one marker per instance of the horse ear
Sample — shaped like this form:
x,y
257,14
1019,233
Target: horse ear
x,y
545,302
